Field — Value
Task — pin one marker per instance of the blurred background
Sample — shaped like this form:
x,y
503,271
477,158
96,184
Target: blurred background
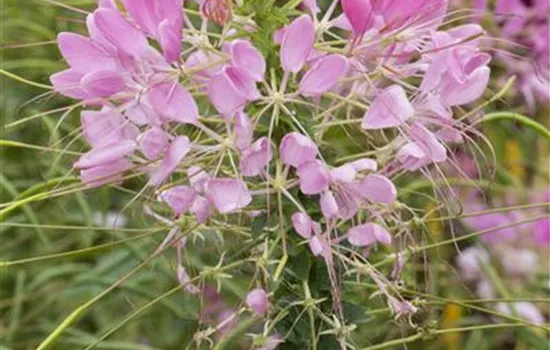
x,y
36,295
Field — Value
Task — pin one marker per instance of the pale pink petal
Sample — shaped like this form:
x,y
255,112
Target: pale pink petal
x,y
170,40
173,102
67,83
179,198
201,209
243,130
412,157
455,94
144,14
257,300
225,95
248,59
314,177
198,178
377,189
364,164
297,43
302,224
228,195
297,149
103,83
102,127
178,149
359,14
116,29
107,173
428,143
106,154
153,143
390,108
329,207
83,55
344,173
366,234
256,157
316,246
323,75
141,114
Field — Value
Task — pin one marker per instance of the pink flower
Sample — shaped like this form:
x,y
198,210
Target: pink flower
x,y
258,301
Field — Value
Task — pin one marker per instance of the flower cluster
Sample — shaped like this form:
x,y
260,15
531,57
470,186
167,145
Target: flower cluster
x,y
218,129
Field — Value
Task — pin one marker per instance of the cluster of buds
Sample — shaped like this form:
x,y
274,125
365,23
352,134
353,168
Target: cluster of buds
x,y
218,129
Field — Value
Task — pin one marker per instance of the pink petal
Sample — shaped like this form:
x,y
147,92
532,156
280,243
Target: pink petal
x,y
378,189
116,29
83,55
173,102
366,234
102,127
153,143
198,178
359,14
297,44
103,83
302,224
67,83
106,154
412,157
144,14
390,108
225,95
316,246
105,173
314,177
297,149
344,173
177,150
256,157
248,59
228,195
329,207
455,94
141,114
257,300
170,40
323,75
428,143
364,164
200,209
243,130
179,198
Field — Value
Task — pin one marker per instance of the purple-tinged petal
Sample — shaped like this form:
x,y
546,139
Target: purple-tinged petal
x,y
179,198
153,143
323,75
377,189
198,178
455,94
256,157
257,300
359,14
225,95
412,157
297,149
106,154
228,195
243,130
102,128
170,40
67,83
173,102
314,177
364,164
428,143
248,59
200,209
302,224
144,14
316,246
344,173
329,207
116,29
103,83
243,83
83,55
107,173
178,149
390,108
366,234
297,43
